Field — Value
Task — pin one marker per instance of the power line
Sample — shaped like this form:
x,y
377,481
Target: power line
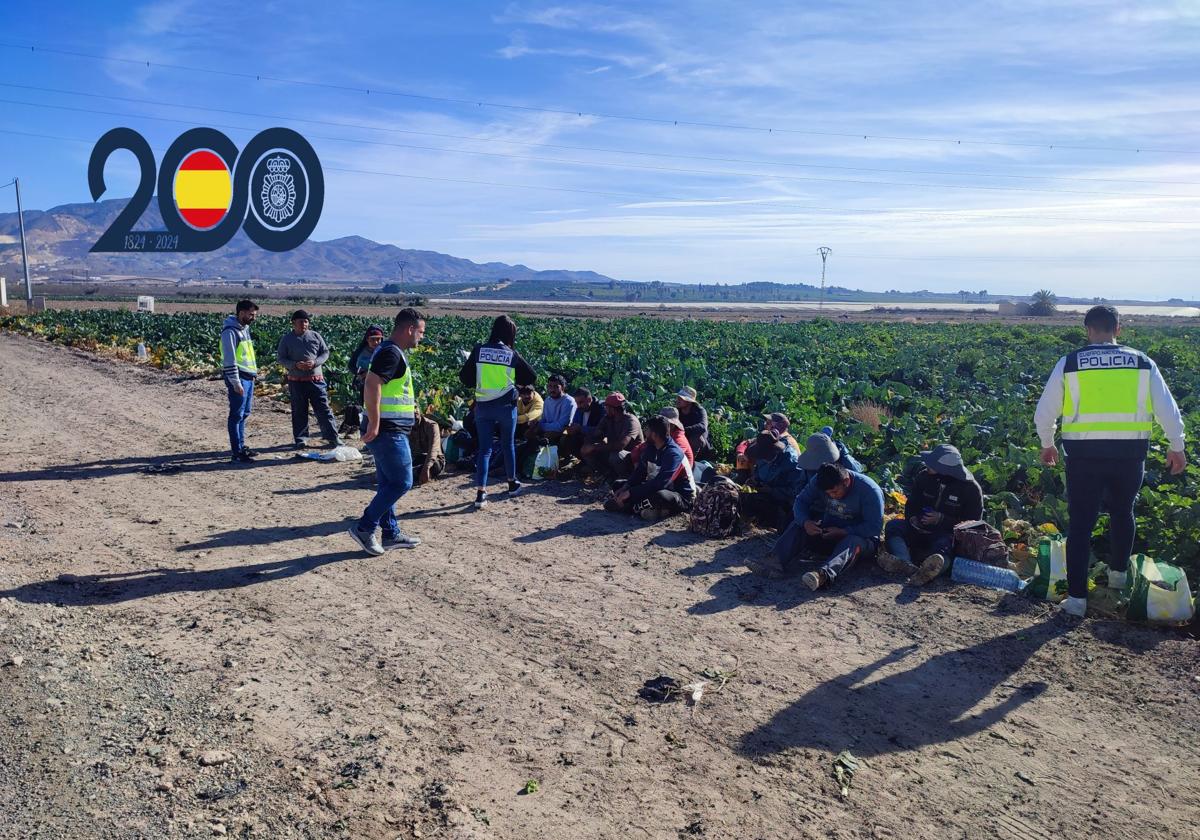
x,y
614,165
642,153
482,103
931,213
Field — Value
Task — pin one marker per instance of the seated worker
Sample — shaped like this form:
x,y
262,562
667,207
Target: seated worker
x,y
775,422
943,495
428,460
558,410
838,516
671,415
820,449
607,449
662,484
695,422
778,422
776,479
529,410
844,457
588,414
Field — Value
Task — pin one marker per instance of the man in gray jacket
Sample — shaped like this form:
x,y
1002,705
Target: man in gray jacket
x,y
302,352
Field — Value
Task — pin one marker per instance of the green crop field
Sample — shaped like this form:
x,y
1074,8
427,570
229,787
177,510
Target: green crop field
x,y
973,385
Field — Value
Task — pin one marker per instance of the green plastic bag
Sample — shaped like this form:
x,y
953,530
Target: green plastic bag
x,y
1049,581
1157,592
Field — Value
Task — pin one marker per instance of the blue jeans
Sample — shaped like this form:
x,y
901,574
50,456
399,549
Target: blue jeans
x,y
239,410
393,478
491,416
904,541
1114,482
301,395
839,555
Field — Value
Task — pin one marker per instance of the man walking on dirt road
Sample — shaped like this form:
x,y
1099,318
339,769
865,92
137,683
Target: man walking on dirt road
x,y
1107,395
391,404
239,368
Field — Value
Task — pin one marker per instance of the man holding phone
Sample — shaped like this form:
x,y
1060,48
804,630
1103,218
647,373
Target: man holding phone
x,y
837,520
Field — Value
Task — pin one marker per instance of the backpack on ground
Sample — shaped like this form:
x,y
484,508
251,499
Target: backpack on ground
x,y
977,540
715,511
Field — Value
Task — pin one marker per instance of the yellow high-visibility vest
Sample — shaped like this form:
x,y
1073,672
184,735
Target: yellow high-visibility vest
x,y
1106,394
494,373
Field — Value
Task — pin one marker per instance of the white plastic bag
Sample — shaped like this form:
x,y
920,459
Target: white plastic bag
x,y
546,463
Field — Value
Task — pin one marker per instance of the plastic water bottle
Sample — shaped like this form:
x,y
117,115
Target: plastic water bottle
x,y
981,574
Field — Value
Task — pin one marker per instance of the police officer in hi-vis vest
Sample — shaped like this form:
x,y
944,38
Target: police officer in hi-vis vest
x,y
239,370
495,370
1107,395
391,404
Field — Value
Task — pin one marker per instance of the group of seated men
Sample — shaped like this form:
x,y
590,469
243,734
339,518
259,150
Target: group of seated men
x,y
829,512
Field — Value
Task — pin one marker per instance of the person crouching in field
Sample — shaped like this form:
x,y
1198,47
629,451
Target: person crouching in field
x,y
943,495
661,484
837,520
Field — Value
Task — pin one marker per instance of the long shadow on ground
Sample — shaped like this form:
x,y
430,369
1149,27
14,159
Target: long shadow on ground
x,y
931,703
182,462
118,587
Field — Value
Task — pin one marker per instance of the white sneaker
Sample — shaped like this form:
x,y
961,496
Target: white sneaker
x,y
1117,580
1074,606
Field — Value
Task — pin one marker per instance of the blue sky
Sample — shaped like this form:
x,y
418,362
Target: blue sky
x,y
575,186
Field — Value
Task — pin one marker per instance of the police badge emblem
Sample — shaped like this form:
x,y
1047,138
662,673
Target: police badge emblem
x,y
278,194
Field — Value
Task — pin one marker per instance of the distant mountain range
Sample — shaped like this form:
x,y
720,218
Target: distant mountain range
x,y
59,239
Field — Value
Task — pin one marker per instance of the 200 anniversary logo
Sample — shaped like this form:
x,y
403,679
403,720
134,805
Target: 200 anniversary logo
x,y
273,189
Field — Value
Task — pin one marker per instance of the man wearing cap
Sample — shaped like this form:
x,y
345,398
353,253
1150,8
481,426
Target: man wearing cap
x,y
943,495
779,423
607,452
837,518
695,421
302,352
1108,396
776,481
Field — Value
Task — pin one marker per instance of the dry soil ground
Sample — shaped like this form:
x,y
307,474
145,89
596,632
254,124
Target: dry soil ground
x,y
154,623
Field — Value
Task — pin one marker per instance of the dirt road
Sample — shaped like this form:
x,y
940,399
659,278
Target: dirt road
x,y
154,623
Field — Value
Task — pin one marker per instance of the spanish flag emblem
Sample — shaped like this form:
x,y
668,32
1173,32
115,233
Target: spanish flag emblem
x,y
203,189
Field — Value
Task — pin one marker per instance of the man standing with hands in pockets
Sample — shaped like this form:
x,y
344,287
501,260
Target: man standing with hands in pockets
x,y
391,405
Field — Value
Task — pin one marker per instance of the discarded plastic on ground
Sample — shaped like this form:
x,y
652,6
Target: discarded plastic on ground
x,y
1050,579
983,574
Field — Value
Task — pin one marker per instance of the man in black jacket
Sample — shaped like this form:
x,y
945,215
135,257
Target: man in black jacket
x,y
943,495
661,484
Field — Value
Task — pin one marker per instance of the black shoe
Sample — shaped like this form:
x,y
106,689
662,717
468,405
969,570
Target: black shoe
x,y
242,457
300,444
247,453
515,488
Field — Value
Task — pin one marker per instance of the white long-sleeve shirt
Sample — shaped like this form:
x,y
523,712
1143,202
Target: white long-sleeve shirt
x,y
1166,411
